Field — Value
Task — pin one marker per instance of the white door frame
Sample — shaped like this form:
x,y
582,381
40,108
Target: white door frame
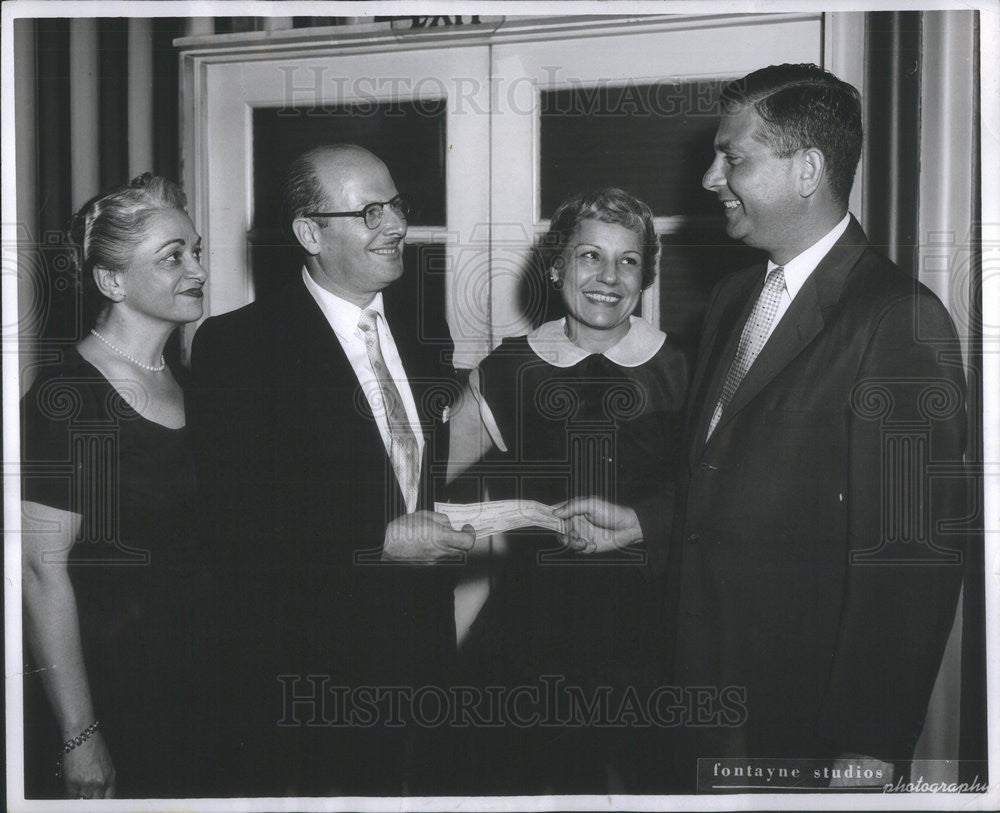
x,y
223,77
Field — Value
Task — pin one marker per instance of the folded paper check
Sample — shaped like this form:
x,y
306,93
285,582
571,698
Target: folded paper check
x,y
500,515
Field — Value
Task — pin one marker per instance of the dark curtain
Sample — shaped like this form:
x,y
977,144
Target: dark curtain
x,y
892,118
52,173
891,190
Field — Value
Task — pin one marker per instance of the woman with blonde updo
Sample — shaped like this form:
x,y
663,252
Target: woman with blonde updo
x,y
118,600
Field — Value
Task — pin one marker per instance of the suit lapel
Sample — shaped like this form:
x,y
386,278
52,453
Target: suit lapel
x,y
313,360
721,336
315,348
313,355
797,328
803,320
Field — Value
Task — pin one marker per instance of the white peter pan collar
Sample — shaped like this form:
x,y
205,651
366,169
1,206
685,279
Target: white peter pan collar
x,y
639,345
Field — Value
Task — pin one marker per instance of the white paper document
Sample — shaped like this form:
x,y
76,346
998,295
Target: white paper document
x,y
500,515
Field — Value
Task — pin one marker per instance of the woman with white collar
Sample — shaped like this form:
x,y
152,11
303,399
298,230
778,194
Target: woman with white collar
x,y
584,405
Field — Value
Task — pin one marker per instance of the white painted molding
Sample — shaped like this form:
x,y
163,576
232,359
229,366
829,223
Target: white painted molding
x,y
366,37
225,76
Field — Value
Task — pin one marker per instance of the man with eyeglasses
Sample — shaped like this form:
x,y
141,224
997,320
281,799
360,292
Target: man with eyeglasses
x,y
320,414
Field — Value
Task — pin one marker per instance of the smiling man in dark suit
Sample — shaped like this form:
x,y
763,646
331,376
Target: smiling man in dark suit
x,y
809,565
319,414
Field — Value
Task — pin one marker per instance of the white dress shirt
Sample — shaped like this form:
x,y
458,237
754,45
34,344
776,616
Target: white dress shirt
x,y
343,317
799,268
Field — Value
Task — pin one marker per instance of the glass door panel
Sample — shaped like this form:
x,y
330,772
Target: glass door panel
x,y
632,108
412,135
653,140
410,106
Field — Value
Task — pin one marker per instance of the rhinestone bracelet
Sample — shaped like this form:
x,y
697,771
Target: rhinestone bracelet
x,y
78,740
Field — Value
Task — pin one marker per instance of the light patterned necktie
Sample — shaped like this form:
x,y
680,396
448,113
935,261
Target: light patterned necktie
x,y
403,447
752,340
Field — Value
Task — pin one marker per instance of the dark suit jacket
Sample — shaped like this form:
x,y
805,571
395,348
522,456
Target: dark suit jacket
x,y
299,490
811,564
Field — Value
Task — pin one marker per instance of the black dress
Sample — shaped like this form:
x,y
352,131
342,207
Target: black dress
x,y
567,623
145,596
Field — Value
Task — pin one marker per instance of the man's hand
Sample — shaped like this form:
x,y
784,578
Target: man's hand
x,y
859,763
598,526
425,537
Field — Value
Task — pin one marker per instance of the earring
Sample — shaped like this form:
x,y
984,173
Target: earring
x,y
557,282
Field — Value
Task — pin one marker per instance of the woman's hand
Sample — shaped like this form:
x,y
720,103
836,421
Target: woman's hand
x,y
88,770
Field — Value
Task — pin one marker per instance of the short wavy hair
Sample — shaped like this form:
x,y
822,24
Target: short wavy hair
x,y
804,106
608,205
105,231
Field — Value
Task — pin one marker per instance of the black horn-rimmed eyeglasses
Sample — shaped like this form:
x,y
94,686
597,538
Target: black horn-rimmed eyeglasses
x,y
373,212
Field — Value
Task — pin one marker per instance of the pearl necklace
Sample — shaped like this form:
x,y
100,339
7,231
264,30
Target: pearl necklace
x,y
153,368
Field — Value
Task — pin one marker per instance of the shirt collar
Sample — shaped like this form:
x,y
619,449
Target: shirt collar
x,y
639,345
798,269
342,315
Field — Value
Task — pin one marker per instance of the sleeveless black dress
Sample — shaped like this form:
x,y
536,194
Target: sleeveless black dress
x,y
145,595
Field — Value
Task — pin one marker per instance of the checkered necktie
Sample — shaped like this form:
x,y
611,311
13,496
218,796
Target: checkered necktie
x,y
752,340
403,447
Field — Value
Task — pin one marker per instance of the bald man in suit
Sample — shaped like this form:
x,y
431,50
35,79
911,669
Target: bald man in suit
x,y
320,414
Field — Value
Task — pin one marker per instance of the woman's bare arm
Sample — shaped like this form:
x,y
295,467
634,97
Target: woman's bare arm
x,y
52,628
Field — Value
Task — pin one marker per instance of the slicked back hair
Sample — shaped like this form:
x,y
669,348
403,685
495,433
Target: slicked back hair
x,y
802,106
302,190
